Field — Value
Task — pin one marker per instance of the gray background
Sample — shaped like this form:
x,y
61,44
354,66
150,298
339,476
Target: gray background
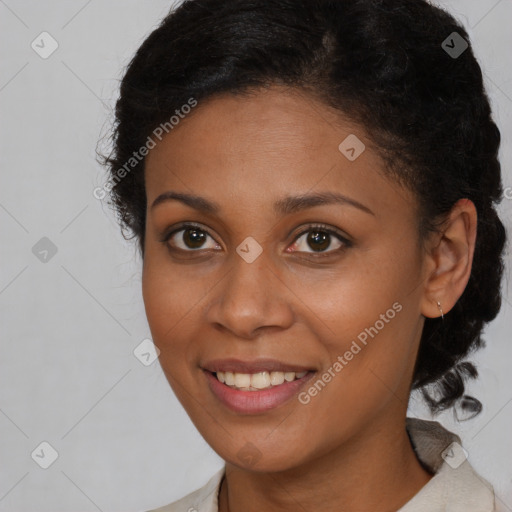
x,y
69,325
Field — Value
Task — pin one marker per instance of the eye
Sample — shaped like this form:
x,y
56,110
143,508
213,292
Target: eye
x,y
320,239
192,238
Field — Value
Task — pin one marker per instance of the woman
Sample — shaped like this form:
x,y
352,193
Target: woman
x,y
313,186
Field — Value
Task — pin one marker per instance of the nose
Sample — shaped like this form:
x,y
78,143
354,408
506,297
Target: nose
x,y
251,298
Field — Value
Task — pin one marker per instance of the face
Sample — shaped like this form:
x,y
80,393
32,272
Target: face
x,y
292,273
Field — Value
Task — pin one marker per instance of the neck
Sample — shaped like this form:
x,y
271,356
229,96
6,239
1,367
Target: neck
x,y
378,471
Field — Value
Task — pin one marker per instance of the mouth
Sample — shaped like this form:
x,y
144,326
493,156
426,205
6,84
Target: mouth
x,y
254,388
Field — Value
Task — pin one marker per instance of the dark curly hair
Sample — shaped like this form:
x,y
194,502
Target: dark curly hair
x,y
383,64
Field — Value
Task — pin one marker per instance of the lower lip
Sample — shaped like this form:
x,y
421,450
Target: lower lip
x,y
254,402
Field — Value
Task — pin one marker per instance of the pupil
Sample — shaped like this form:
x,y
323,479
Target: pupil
x,y
320,239
193,238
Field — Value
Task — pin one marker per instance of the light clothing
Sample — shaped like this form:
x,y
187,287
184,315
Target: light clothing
x,y
455,486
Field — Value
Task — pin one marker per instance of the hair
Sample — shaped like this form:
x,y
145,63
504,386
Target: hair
x,y
380,63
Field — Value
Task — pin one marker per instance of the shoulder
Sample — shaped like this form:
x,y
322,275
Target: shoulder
x,y
455,485
204,499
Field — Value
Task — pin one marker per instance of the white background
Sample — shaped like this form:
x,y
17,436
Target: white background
x,y
69,326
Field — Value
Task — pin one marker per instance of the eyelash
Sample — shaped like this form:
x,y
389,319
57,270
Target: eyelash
x,y
313,227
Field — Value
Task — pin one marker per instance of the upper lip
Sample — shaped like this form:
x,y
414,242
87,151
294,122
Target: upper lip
x,y
255,366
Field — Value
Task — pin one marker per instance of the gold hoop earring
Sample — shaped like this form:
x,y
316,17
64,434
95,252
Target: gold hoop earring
x,y
440,309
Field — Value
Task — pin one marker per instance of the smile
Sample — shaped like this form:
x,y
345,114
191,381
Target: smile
x,y
254,390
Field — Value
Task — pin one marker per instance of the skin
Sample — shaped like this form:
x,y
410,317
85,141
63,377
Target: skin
x,y
348,446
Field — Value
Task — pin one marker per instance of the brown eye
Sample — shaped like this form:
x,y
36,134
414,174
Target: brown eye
x,y
189,238
193,238
320,239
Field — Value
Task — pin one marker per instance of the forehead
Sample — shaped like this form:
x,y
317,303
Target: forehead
x,y
263,113
264,146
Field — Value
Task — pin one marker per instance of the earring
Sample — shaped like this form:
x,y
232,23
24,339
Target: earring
x,y
440,309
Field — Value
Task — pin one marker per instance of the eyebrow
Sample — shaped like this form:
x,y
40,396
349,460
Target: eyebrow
x,y
287,205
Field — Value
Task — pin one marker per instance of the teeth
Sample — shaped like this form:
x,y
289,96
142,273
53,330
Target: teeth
x,y
257,381
276,378
242,380
260,380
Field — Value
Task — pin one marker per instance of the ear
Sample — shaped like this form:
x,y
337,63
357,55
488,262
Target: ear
x,y
449,260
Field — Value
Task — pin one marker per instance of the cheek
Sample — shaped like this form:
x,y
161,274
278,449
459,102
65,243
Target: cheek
x,y
170,310
364,296
370,324
368,366
168,303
